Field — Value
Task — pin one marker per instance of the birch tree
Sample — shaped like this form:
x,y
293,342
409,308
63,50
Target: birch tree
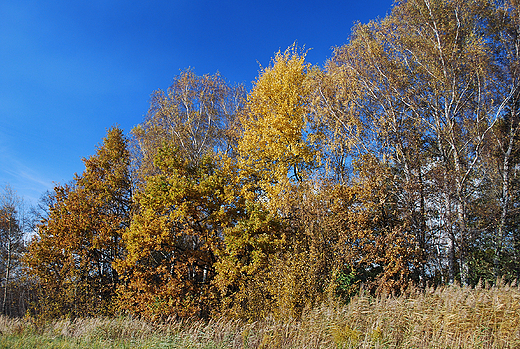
x,y
13,230
422,79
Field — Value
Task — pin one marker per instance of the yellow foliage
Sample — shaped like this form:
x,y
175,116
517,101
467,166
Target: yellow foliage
x,y
172,241
275,144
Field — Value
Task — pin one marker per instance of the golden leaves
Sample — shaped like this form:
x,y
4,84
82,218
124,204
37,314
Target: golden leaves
x,y
81,237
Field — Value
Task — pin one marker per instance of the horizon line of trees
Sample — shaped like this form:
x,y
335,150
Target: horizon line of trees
x,y
395,164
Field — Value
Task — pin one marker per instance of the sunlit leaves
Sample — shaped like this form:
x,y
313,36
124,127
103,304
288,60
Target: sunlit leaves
x,y
172,240
277,143
394,164
72,254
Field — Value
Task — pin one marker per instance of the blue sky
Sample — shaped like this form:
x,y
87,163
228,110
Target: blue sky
x,y
71,69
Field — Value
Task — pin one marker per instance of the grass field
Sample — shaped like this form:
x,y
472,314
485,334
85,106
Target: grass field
x,y
449,317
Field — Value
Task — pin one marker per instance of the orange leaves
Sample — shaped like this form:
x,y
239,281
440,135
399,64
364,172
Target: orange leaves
x,y
374,244
77,243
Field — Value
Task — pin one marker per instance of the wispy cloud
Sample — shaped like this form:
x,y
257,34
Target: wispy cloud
x,y
26,181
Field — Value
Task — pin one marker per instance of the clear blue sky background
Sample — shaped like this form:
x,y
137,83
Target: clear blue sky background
x,y
71,69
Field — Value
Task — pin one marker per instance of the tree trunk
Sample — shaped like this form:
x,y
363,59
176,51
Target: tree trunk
x,y
7,270
505,199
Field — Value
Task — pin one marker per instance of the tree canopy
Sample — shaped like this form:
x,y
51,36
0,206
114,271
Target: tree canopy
x,y
395,164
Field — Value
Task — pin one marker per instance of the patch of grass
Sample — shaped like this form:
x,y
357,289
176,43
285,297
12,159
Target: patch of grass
x,y
447,317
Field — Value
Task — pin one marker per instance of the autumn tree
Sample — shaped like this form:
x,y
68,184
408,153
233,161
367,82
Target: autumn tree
x,y
182,151
72,254
502,150
419,84
377,246
263,267
197,113
171,243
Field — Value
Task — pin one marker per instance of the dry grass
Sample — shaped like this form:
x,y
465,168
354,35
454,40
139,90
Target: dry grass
x,y
449,317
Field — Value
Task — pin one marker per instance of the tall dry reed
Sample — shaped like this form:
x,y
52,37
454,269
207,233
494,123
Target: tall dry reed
x,y
446,317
